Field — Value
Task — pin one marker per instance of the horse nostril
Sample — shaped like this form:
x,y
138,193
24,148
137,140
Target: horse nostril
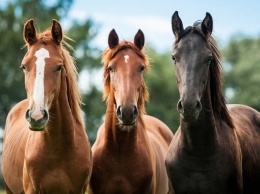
x,y
119,112
179,106
45,115
135,112
198,105
28,115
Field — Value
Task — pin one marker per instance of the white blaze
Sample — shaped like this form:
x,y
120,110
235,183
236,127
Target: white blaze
x,y
126,58
38,93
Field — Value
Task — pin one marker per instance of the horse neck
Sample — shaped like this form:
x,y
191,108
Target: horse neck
x,y
61,128
201,135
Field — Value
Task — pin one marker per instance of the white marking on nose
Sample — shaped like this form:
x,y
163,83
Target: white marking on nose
x,y
126,58
38,93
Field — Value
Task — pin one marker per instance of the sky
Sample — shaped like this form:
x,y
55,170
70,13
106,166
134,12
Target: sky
x,y
230,17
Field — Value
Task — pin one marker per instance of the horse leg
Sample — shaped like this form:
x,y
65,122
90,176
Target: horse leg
x,y
8,191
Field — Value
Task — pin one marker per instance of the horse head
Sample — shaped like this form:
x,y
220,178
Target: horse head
x,y
42,66
124,75
192,56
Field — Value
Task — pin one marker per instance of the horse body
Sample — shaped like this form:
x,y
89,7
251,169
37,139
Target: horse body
x,y
215,148
45,144
129,152
247,124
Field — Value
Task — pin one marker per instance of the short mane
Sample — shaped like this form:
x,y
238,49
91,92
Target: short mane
x,y
108,54
219,104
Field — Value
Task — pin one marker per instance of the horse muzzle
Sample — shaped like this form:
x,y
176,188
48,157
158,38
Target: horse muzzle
x,y
127,115
189,110
37,121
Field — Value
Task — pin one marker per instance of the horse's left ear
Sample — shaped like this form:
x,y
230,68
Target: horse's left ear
x,y
29,32
139,39
207,25
56,31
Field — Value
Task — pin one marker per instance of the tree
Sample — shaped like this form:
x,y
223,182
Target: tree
x,y
88,61
242,76
163,90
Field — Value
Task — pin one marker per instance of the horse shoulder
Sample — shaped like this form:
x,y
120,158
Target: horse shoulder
x,y
99,142
159,128
15,136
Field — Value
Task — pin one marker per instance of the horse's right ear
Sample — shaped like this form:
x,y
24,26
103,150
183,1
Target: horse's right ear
x,y
29,32
177,26
113,39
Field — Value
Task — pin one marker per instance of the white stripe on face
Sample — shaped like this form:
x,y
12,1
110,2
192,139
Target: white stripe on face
x,y
38,93
126,58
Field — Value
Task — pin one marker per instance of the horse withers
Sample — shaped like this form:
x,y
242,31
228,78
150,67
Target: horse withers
x,y
46,149
216,149
130,149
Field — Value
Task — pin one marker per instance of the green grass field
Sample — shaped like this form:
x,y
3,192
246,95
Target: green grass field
x,y
2,192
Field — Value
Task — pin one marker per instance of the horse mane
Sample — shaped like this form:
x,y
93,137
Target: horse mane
x,y
74,96
108,54
219,104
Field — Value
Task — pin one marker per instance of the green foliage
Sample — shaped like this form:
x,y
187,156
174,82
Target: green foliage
x,y
242,77
163,91
88,59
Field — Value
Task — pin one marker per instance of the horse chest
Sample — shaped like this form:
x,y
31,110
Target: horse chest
x,y
203,176
56,174
127,173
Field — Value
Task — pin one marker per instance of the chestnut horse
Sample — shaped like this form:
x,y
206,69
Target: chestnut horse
x,y
216,149
130,149
46,149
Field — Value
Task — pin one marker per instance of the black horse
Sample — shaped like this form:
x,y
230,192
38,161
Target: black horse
x,y
216,149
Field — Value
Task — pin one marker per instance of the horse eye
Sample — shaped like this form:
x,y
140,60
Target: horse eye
x,y
173,58
110,69
210,60
142,69
59,68
23,68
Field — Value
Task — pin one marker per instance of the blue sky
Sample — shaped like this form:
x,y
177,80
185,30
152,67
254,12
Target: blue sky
x,y
154,18
231,17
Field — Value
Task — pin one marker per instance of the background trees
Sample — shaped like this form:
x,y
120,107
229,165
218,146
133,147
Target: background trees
x,y
242,77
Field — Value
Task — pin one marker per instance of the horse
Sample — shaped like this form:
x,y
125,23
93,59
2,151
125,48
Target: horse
x,y
131,146
216,148
46,148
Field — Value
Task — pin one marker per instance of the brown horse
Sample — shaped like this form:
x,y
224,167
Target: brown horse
x,y
216,149
130,149
46,149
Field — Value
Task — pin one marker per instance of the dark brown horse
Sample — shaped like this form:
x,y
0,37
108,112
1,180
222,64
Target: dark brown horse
x,y
130,149
46,149
216,149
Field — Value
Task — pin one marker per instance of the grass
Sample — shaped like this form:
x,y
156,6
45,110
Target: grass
x,y
2,192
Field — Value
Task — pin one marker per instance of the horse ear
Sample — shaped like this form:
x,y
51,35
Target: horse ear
x,y
207,25
29,32
177,26
139,39
113,39
56,31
